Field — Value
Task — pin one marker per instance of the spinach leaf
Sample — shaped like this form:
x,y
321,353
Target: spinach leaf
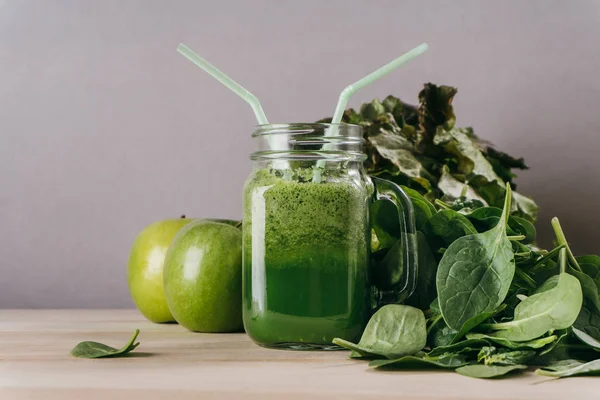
x,y
556,308
425,290
565,368
488,371
462,204
587,339
445,227
532,344
441,335
490,355
475,273
591,266
90,349
384,219
588,320
446,360
562,240
398,151
453,188
548,285
423,149
470,344
423,207
555,350
387,272
444,335
471,161
486,218
525,206
523,227
588,287
392,332
475,321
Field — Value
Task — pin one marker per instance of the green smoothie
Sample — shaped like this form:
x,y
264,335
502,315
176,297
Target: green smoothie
x,y
306,249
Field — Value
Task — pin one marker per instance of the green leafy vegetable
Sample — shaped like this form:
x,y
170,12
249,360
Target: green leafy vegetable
x,y
446,360
475,273
532,344
488,371
423,208
475,321
420,147
587,339
446,226
393,331
387,229
492,356
588,320
425,290
556,308
514,302
459,347
565,368
98,350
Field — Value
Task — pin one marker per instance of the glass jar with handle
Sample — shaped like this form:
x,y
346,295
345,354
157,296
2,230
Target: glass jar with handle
x,y
308,276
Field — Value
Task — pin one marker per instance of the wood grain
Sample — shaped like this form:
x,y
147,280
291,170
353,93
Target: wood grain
x,y
172,363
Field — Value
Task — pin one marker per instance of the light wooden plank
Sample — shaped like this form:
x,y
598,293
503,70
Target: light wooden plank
x,y
35,364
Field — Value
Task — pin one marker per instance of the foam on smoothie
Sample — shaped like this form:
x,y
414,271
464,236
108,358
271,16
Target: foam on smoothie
x,y
304,217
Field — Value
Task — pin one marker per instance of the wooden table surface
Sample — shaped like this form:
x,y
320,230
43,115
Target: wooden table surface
x,y
172,363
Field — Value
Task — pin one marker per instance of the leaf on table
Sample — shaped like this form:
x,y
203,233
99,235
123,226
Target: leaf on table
x,y
565,368
91,349
488,371
446,360
394,331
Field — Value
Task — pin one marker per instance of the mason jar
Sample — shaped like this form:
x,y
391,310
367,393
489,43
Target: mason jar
x,y
308,276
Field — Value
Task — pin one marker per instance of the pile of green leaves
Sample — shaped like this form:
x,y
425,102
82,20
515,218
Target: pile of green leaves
x,y
488,302
422,148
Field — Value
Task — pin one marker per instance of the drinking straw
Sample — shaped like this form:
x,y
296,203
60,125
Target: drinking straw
x,y
225,80
355,87
372,77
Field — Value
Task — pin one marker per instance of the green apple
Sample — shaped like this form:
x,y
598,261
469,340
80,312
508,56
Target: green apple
x,y
203,277
145,268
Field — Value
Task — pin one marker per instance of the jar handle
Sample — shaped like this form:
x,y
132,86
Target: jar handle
x,y
396,275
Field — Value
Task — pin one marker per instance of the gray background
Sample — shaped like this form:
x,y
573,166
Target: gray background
x,y
104,128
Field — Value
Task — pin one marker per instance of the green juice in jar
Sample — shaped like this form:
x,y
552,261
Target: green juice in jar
x,y
306,258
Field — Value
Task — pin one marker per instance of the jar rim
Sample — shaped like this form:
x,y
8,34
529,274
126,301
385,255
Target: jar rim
x,y
305,127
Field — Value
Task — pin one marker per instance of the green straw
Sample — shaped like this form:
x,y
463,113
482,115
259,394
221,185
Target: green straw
x,y
227,81
372,77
